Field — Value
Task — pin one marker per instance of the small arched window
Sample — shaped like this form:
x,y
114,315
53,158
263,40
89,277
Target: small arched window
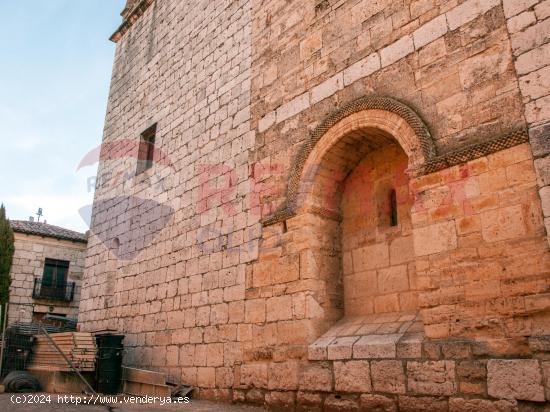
x,y
393,208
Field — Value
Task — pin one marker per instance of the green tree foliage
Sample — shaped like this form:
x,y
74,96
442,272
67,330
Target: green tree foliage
x,y
6,255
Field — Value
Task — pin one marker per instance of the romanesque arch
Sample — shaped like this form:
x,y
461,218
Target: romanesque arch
x,y
354,171
363,125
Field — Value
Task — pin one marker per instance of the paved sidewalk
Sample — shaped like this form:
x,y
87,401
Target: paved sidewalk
x,y
7,404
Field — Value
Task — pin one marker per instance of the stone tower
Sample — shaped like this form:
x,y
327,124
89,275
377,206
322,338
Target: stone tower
x,y
329,205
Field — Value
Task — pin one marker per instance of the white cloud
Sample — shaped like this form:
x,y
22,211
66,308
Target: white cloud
x,y
59,210
26,144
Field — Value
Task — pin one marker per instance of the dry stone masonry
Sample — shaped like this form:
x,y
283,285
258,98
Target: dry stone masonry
x,y
348,205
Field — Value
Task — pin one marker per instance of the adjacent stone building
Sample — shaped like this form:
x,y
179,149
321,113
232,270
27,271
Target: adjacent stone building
x,y
46,272
330,204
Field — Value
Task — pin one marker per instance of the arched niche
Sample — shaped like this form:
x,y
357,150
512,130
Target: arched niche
x,y
350,185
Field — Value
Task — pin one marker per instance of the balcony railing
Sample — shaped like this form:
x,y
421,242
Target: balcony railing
x,y
63,292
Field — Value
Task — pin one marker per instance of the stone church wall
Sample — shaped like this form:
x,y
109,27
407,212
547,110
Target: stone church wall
x,y
227,265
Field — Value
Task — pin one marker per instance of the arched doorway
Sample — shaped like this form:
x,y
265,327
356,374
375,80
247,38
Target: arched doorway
x,y
350,185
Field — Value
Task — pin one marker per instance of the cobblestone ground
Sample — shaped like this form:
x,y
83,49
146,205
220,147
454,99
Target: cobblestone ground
x,y
6,404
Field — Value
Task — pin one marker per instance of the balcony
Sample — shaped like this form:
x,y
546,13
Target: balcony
x,y
63,293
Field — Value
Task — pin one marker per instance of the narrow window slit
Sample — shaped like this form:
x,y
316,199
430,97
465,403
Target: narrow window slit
x,y
393,208
146,149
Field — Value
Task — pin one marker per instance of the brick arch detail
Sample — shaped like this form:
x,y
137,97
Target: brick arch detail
x,y
392,117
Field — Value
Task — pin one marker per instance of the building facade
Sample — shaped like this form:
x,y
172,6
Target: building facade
x,y
329,205
46,272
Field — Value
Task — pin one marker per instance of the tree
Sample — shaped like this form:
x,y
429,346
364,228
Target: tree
x,y
6,255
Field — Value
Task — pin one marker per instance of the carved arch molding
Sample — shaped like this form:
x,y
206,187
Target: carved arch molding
x,y
416,140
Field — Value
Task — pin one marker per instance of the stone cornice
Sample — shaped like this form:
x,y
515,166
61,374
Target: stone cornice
x,y
474,151
130,17
458,156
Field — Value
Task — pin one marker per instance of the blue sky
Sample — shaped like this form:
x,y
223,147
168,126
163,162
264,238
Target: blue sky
x,y
55,69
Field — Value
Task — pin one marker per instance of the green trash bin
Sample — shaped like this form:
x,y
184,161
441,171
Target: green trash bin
x,y
109,363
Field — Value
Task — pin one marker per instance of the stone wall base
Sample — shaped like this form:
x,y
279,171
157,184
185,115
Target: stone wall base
x,y
450,375
298,401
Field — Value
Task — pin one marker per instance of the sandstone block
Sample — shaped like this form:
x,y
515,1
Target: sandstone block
x,y
206,377
421,404
255,311
468,11
311,44
200,355
484,66
318,349
533,60
430,31
287,269
510,156
521,21
236,312
232,353
546,372
537,302
410,346
341,348
456,350
370,257
515,379
531,37
352,376
471,370
280,401
481,405
254,374
388,376
347,263
538,111
376,346
327,88
189,376
283,375
172,355
279,308
267,121
521,173
432,52
401,250
377,403
435,238
316,377
214,354
539,344
309,402
224,377
362,68
187,355
542,10
256,396
542,167
545,199
393,279
219,314
241,116
396,51
432,377
292,108
340,404
503,224
513,7
262,273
